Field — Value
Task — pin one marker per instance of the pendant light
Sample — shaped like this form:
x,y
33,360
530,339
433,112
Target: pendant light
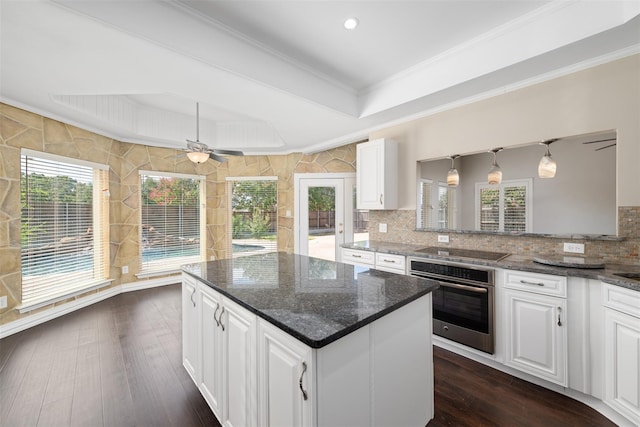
x,y
547,165
453,177
495,173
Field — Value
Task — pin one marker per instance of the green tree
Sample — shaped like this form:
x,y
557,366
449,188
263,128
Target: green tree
x,y
168,191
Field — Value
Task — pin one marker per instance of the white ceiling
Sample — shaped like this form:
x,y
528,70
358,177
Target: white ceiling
x,y
284,76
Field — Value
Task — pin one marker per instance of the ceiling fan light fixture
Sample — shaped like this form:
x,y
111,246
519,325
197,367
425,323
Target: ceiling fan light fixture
x,y
547,166
198,156
453,177
494,176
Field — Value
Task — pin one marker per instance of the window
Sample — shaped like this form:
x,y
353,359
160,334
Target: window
x,y
172,223
505,207
445,200
253,213
64,228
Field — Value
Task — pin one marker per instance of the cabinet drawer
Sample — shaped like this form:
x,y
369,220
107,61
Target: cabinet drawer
x,y
387,262
353,256
545,284
621,299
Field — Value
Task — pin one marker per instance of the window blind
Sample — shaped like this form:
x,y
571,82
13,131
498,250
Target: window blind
x,y
171,224
253,213
64,228
426,208
505,207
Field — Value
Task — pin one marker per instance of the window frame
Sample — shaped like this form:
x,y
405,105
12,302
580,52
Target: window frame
x,y
159,267
100,233
527,183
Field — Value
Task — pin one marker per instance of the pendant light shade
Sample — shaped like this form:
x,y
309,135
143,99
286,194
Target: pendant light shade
x,y
495,173
547,166
453,177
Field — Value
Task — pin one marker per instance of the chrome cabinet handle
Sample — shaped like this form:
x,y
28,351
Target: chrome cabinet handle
x,y
304,369
393,261
216,312
559,312
192,294
356,256
220,318
380,199
531,283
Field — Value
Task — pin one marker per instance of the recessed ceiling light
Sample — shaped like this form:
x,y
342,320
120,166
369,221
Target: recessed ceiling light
x,y
351,23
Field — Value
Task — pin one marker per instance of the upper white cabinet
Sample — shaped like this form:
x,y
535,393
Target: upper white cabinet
x,y
536,325
377,174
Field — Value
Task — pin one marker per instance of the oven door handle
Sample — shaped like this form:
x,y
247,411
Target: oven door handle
x,y
475,289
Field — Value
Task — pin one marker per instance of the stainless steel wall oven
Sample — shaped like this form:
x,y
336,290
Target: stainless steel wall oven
x,y
463,306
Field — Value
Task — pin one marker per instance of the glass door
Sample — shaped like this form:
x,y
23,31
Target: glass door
x,y
321,217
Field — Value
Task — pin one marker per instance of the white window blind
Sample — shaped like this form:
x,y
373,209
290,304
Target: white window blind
x,y
171,223
446,206
64,228
253,213
425,216
505,207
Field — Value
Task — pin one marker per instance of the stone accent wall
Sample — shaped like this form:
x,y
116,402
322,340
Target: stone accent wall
x,y
401,229
22,129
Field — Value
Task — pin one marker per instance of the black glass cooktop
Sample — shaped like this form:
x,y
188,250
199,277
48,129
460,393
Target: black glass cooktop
x,y
464,253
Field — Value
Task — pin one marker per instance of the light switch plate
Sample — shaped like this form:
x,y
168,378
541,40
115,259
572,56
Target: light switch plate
x,y
3,301
443,238
125,269
574,248
382,228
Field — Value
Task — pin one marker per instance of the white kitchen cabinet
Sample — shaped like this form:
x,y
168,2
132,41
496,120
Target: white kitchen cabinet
x,y
239,398
391,263
285,375
536,326
211,339
190,328
622,351
358,257
377,174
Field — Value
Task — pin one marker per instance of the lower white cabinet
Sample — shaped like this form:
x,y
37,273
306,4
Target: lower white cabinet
x,y
536,325
285,376
190,328
622,351
211,338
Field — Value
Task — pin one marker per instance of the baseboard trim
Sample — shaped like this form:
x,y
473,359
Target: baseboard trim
x,y
60,310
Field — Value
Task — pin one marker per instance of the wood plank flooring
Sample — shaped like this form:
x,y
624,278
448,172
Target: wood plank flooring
x,y
118,363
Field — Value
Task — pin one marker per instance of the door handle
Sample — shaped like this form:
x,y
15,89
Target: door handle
x,y
559,312
304,369
192,294
216,312
220,319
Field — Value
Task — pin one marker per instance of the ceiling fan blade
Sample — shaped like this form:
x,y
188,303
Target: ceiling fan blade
x,y
606,146
600,140
228,152
217,158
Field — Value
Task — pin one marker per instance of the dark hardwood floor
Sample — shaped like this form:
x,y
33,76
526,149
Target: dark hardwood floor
x,y
118,363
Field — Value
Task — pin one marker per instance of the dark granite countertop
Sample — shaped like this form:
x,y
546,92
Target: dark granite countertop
x,y
512,262
314,300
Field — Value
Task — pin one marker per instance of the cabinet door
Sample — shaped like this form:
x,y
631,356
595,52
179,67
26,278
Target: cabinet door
x,y
284,376
190,328
377,174
239,394
211,334
622,363
536,337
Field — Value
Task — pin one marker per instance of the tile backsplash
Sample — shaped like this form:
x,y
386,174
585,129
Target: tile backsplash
x,y
401,229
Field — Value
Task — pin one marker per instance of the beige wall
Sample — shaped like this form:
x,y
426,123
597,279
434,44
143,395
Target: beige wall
x,y
22,129
600,98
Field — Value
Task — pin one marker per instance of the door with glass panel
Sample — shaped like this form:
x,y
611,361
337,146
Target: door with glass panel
x,y
326,216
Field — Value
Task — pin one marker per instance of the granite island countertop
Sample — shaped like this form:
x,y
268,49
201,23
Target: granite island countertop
x,y
313,300
511,262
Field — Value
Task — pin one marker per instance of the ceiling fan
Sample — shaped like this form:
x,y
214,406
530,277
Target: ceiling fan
x,y
199,152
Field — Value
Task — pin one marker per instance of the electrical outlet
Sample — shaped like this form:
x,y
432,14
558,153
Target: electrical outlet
x,y
443,238
125,269
382,228
3,301
574,248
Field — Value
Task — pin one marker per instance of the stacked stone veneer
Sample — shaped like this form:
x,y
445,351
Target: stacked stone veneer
x,y
22,129
401,229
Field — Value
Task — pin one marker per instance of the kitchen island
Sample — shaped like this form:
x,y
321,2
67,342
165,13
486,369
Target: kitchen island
x,y
280,339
